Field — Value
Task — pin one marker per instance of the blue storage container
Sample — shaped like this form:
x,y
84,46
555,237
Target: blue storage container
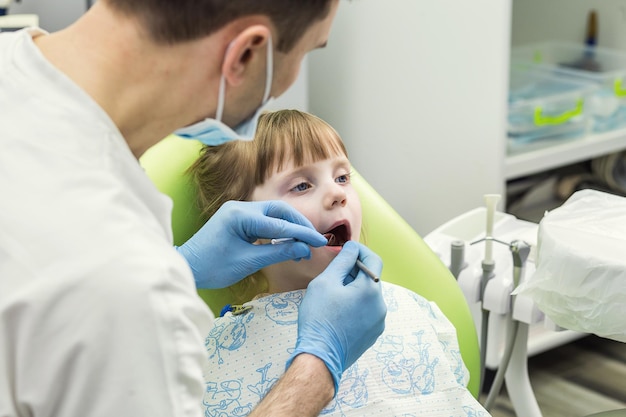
x,y
603,67
544,106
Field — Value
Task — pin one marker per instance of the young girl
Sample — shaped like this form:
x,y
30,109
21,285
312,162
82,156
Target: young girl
x,y
414,368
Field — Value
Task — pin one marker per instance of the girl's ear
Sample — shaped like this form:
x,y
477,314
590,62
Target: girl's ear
x,y
247,46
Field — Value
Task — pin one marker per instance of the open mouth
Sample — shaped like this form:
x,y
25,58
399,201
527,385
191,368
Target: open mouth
x,y
337,236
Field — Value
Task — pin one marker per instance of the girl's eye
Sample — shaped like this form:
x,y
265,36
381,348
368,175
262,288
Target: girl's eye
x,y
303,186
343,178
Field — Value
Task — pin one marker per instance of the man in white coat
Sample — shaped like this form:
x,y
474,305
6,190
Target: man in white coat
x,y
99,314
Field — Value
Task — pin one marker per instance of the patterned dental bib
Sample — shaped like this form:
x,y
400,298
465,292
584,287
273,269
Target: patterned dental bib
x,y
413,369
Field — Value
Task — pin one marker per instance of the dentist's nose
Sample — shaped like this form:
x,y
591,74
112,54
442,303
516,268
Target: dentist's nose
x,y
336,197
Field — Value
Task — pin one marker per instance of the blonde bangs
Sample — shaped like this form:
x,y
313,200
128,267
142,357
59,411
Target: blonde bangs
x,y
293,136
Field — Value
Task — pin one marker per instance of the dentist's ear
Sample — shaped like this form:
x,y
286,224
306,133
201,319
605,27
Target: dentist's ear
x,y
247,46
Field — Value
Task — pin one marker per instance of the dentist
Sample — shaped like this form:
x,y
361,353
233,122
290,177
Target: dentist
x,y
99,314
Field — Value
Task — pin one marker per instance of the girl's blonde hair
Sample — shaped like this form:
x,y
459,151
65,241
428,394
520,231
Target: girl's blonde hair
x,y
232,171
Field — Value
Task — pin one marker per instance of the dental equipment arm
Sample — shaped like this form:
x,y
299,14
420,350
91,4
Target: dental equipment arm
x,y
491,201
516,348
487,274
520,251
488,266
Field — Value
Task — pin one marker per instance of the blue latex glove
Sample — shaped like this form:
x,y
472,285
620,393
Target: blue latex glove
x,y
222,252
343,311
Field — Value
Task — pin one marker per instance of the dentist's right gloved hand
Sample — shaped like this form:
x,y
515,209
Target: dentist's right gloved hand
x,y
223,252
343,311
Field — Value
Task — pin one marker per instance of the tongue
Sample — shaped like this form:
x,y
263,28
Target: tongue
x,y
331,239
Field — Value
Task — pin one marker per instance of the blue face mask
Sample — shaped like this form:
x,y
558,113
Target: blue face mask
x,y
214,132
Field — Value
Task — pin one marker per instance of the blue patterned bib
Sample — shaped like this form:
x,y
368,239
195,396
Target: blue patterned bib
x,y
413,369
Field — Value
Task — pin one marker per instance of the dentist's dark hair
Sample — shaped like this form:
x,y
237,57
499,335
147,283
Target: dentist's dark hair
x,y
173,21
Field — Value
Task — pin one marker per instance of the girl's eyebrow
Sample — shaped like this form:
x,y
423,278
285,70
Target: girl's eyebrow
x,y
343,161
298,171
286,177
340,161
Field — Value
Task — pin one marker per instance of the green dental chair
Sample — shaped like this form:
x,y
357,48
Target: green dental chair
x,y
408,261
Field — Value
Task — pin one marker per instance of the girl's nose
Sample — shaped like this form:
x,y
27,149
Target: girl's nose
x,y
336,197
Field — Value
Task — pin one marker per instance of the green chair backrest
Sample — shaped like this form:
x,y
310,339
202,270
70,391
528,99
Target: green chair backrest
x,y
408,261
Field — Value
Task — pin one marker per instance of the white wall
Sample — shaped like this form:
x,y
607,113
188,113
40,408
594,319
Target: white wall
x,y
417,90
297,96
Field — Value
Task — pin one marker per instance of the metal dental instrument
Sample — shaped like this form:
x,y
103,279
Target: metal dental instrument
x,y
281,240
360,264
367,271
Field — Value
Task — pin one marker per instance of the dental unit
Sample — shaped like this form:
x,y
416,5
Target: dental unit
x,y
541,285
487,278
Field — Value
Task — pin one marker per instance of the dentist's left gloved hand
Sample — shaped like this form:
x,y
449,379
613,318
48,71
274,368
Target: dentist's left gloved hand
x,y
343,311
222,252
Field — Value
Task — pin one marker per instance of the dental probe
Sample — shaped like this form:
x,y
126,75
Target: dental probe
x,y
360,264
367,271
281,240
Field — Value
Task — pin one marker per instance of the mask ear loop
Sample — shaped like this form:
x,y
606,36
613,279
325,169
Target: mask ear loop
x,y
221,95
269,69
220,99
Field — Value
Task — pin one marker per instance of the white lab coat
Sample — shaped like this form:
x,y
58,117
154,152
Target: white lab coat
x,y
99,315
